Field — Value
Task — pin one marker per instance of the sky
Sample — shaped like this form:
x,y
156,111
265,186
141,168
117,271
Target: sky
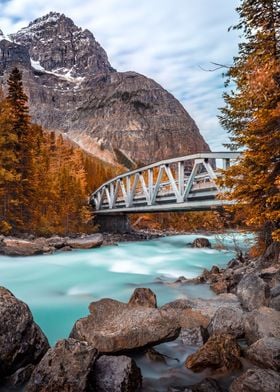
x,y
170,41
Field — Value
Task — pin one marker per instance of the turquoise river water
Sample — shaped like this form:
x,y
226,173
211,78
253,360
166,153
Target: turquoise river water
x,y
59,287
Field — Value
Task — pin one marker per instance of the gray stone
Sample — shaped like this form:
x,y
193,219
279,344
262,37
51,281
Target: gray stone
x,y
227,320
22,343
261,323
114,326
116,374
196,336
257,380
67,366
252,292
265,353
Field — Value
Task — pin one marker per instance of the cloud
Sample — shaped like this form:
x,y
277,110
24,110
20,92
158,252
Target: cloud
x,y
167,41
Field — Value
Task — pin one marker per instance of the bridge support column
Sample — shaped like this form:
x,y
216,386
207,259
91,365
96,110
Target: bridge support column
x,y
113,223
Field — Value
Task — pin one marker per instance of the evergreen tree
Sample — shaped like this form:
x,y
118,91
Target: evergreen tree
x,y
9,176
252,116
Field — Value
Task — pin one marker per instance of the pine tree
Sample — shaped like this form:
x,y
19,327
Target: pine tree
x,y
9,176
252,116
21,126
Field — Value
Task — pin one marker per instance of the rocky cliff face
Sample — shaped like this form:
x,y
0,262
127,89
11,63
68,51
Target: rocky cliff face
x,y
118,116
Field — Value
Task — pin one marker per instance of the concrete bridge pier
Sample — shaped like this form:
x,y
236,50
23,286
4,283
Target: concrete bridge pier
x,y
113,223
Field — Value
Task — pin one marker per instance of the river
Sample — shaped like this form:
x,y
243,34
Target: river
x,y
59,287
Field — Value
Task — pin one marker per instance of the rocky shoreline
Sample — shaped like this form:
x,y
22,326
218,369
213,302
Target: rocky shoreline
x,y
29,245
229,343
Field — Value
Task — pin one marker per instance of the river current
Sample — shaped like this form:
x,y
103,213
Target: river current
x,y
59,287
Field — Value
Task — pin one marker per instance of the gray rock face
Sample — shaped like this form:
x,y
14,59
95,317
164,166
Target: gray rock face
x,y
58,45
65,367
116,374
227,320
22,343
114,326
265,353
257,380
252,292
261,323
143,297
120,117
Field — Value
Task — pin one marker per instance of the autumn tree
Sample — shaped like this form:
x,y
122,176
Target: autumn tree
x,y
252,116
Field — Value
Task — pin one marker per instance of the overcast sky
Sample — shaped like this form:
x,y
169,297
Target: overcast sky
x,y
167,40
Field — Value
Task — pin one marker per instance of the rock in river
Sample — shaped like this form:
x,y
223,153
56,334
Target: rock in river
x,y
257,380
65,367
18,247
201,242
116,374
22,343
114,326
220,353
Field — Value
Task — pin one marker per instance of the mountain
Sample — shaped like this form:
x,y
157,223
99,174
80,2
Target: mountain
x,y
120,117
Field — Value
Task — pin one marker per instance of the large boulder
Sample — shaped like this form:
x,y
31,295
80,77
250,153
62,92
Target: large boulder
x,y
88,242
18,247
114,326
262,322
252,292
143,297
201,242
265,353
22,343
229,320
257,380
220,353
65,367
116,374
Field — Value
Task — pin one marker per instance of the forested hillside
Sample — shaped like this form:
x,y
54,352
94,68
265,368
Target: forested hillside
x,y
44,180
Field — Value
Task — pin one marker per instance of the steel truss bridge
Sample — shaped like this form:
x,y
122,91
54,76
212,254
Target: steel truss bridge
x,y
186,183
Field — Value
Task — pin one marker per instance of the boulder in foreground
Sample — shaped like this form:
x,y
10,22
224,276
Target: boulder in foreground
x,y
265,353
114,326
65,367
22,343
262,322
220,353
116,374
257,380
252,292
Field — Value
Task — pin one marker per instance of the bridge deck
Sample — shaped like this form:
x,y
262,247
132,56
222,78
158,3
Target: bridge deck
x,y
182,184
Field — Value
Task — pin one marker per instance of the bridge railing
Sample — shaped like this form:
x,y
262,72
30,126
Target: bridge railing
x,y
182,183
